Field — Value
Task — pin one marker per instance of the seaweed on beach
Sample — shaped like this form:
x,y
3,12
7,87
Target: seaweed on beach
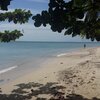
x,y
54,90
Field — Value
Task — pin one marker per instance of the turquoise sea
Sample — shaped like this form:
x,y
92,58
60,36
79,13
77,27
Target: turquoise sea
x,y
15,55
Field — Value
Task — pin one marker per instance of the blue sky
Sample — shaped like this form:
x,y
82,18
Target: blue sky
x,y
32,33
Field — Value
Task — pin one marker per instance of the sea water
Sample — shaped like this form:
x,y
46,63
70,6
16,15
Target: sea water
x,y
15,55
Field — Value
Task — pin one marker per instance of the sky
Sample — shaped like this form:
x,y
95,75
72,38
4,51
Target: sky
x,y
32,33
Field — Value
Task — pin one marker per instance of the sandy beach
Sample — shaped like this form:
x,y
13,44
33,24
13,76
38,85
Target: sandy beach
x,y
75,74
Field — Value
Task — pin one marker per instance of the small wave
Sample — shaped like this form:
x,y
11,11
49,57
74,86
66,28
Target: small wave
x,y
63,54
8,69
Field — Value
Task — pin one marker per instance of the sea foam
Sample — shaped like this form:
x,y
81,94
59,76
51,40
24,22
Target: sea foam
x,y
8,69
63,54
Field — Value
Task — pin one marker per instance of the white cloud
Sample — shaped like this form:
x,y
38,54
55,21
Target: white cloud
x,y
34,11
32,33
3,11
27,26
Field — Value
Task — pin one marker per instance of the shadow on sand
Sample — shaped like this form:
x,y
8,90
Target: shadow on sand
x,y
27,91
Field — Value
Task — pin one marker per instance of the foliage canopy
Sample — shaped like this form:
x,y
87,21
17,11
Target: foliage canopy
x,y
76,17
17,16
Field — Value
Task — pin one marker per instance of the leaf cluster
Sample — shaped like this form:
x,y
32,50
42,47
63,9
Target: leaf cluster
x,y
18,16
4,4
77,17
7,36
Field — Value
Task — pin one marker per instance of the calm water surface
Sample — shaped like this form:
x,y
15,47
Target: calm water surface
x,y
16,53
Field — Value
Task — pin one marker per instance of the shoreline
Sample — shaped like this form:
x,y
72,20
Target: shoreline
x,y
5,73
53,70
10,74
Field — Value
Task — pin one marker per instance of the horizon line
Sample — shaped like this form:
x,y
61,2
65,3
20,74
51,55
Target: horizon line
x,y
60,41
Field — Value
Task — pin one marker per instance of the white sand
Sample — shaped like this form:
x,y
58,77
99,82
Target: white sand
x,y
78,72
